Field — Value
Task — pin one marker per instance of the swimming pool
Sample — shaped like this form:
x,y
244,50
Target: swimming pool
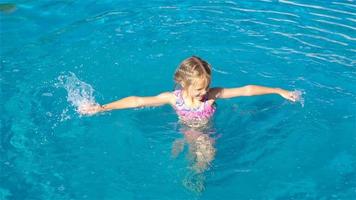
x,y
54,54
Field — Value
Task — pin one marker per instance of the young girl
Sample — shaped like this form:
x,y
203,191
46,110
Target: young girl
x,y
193,102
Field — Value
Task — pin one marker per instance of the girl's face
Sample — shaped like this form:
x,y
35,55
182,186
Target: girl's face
x,y
198,89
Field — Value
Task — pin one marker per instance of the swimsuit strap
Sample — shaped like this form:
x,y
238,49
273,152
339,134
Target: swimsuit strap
x,y
179,97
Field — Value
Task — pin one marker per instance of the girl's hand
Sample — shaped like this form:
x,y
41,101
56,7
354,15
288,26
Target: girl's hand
x,y
89,109
291,96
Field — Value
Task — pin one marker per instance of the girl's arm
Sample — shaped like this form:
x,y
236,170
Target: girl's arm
x,y
251,90
129,102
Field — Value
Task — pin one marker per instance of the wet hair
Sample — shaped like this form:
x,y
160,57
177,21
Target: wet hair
x,y
192,70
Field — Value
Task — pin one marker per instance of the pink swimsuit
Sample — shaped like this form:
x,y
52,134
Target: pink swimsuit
x,y
193,116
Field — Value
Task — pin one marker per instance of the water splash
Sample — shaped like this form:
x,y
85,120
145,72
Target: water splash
x,y
299,94
79,92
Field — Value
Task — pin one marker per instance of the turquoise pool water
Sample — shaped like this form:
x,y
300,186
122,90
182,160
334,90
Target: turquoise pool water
x,y
56,54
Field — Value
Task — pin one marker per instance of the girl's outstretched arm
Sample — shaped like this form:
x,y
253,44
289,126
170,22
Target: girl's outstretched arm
x,y
129,102
251,90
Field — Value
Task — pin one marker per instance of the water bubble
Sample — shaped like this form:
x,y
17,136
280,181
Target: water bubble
x,y
61,188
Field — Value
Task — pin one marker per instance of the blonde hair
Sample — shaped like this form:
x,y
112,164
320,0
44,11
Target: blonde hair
x,y
191,70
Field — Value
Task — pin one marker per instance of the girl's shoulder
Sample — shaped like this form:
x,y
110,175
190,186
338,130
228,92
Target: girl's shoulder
x,y
214,93
167,97
177,96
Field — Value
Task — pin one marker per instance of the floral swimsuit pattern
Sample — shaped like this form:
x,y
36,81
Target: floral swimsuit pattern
x,y
193,116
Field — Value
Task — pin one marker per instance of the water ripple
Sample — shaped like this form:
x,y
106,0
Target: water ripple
x,y
297,39
264,11
332,58
322,38
316,7
344,4
336,24
324,15
328,31
282,20
205,9
105,14
351,19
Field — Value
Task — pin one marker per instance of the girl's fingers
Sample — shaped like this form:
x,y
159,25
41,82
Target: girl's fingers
x,y
295,96
87,109
292,96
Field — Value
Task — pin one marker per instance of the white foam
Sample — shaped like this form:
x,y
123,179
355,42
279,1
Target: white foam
x,y
79,93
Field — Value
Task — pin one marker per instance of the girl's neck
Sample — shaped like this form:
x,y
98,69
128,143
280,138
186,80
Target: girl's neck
x,y
190,101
